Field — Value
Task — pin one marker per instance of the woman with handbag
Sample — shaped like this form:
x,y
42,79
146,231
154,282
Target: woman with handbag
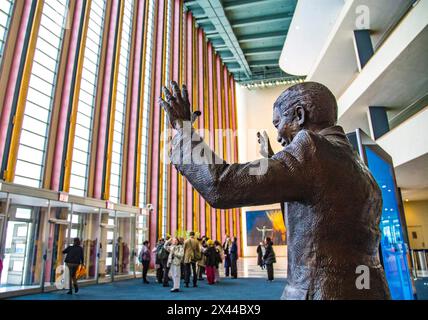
x,y
73,259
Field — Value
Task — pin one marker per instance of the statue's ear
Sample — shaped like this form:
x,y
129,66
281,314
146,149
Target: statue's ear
x,y
301,115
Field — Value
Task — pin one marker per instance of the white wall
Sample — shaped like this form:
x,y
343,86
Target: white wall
x,y
254,109
255,114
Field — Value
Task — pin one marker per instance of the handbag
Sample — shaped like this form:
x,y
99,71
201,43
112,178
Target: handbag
x,y
81,271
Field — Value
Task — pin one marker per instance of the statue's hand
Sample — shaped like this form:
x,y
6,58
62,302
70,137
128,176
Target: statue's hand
x,y
265,147
177,106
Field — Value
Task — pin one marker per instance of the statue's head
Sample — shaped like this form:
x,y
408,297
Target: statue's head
x,y
307,105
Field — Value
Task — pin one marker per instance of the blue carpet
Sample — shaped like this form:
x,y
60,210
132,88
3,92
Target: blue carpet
x,y
233,289
422,288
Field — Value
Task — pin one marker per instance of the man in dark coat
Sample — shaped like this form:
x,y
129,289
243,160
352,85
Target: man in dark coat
x,y
333,203
234,258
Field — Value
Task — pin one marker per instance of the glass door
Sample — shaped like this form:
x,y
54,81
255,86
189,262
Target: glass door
x,y
106,254
20,243
124,246
56,238
85,225
142,234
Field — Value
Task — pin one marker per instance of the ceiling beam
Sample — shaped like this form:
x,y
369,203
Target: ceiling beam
x,y
190,3
261,20
238,4
215,12
264,63
261,51
203,20
263,36
228,59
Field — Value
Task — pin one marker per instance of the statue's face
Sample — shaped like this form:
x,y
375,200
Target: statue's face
x,y
287,124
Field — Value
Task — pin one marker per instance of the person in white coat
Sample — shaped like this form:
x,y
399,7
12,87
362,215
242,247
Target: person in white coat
x,y
176,254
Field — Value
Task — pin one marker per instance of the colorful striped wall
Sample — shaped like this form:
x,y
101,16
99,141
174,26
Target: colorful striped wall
x,y
164,44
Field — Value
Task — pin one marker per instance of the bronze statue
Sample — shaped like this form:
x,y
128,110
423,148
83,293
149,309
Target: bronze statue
x,y
333,204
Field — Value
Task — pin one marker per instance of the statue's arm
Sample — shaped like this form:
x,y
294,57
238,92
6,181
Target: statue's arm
x,y
224,185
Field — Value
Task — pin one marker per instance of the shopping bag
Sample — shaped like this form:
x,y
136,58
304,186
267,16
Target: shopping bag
x,y
81,271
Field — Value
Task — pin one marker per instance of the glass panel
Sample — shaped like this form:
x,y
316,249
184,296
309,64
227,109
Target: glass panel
x,y
20,245
124,255
57,239
6,8
40,93
142,234
23,213
88,234
85,108
394,249
107,230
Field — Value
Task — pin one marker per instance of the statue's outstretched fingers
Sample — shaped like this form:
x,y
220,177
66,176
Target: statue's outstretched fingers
x,y
176,90
185,94
168,96
166,106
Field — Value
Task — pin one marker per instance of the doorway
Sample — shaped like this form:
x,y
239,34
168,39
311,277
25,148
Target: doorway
x,y
106,254
19,247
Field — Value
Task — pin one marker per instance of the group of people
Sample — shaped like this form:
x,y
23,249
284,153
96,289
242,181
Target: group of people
x,y
178,259
266,257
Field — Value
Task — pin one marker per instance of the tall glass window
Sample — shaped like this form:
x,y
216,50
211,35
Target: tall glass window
x,y
119,116
85,109
6,7
32,145
146,102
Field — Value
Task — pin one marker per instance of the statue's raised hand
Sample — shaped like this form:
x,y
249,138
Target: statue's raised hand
x,y
265,147
177,106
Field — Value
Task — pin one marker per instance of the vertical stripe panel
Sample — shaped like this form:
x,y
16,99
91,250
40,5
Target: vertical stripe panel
x,y
156,121
13,85
105,101
66,98
135,98
189,83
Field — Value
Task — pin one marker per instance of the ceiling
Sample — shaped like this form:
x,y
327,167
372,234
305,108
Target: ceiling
x,y
412,178
247,34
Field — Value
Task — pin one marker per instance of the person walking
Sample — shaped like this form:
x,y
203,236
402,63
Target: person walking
x,y
260,254
158,260
176,254
220,251
234,258
269,258
192,253
202,262
73,259
144,258
212,259
164,256
226,249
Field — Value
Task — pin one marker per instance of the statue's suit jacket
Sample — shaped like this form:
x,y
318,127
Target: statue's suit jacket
x,y
333,208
